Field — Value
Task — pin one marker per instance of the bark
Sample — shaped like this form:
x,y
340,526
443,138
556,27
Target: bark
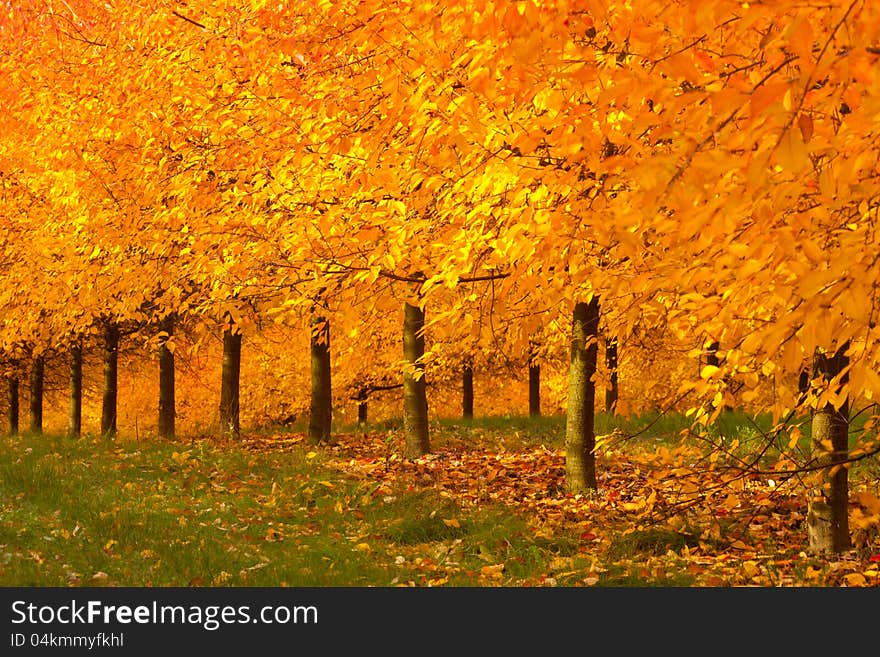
x,y
37,369
74,414
321,403
415,399
230,423
827,512
612,391
534,387
580,435
167,401
12,404
467,391
111,380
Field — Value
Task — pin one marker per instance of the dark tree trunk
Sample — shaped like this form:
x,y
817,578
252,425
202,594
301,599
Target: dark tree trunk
x,y
415,398
612,391
828,508
37,367
74,414
803,385
712,354
321,403
534,387
580,435
467,391
230,423
111,380
362,406
167,402
12,404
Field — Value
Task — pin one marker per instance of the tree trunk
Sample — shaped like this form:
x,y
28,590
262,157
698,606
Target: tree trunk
x,y
74,414
111,381
612,391
534,387
12,404
828,508
712,354
321,403
167,401
415,398
580,436
37,367
803,385
230,423
362,405
467,391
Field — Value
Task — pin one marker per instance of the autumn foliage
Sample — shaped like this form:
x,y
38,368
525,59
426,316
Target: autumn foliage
x,y
704,175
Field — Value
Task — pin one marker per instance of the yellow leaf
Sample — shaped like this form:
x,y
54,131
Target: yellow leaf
x,y
273,535
493,572
855,579
451,522
709,371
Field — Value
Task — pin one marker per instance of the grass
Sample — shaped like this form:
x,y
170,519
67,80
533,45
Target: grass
x,y
92,512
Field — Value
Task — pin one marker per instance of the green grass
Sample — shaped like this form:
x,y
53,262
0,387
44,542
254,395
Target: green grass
x,y
92,512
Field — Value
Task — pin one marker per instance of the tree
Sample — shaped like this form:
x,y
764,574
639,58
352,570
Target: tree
x,y
321,398
230,405
828,512
580,435
415,400
167,404
36,393
75,387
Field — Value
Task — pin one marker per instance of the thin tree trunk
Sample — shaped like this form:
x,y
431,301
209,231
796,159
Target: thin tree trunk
x,y
230,423
74,414
612,391
12,404
467,391
37,368
111,381
415,398
580,435
321,403
828,508
534,386
362,405
167,401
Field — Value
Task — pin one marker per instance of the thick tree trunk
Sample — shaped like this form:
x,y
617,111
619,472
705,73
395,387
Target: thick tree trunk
x,y
534,387
12,404
362,406
828,507
467,391
167,401
230,423
580,436
111,381
612,391
415,398
321,403
37,367
74,413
